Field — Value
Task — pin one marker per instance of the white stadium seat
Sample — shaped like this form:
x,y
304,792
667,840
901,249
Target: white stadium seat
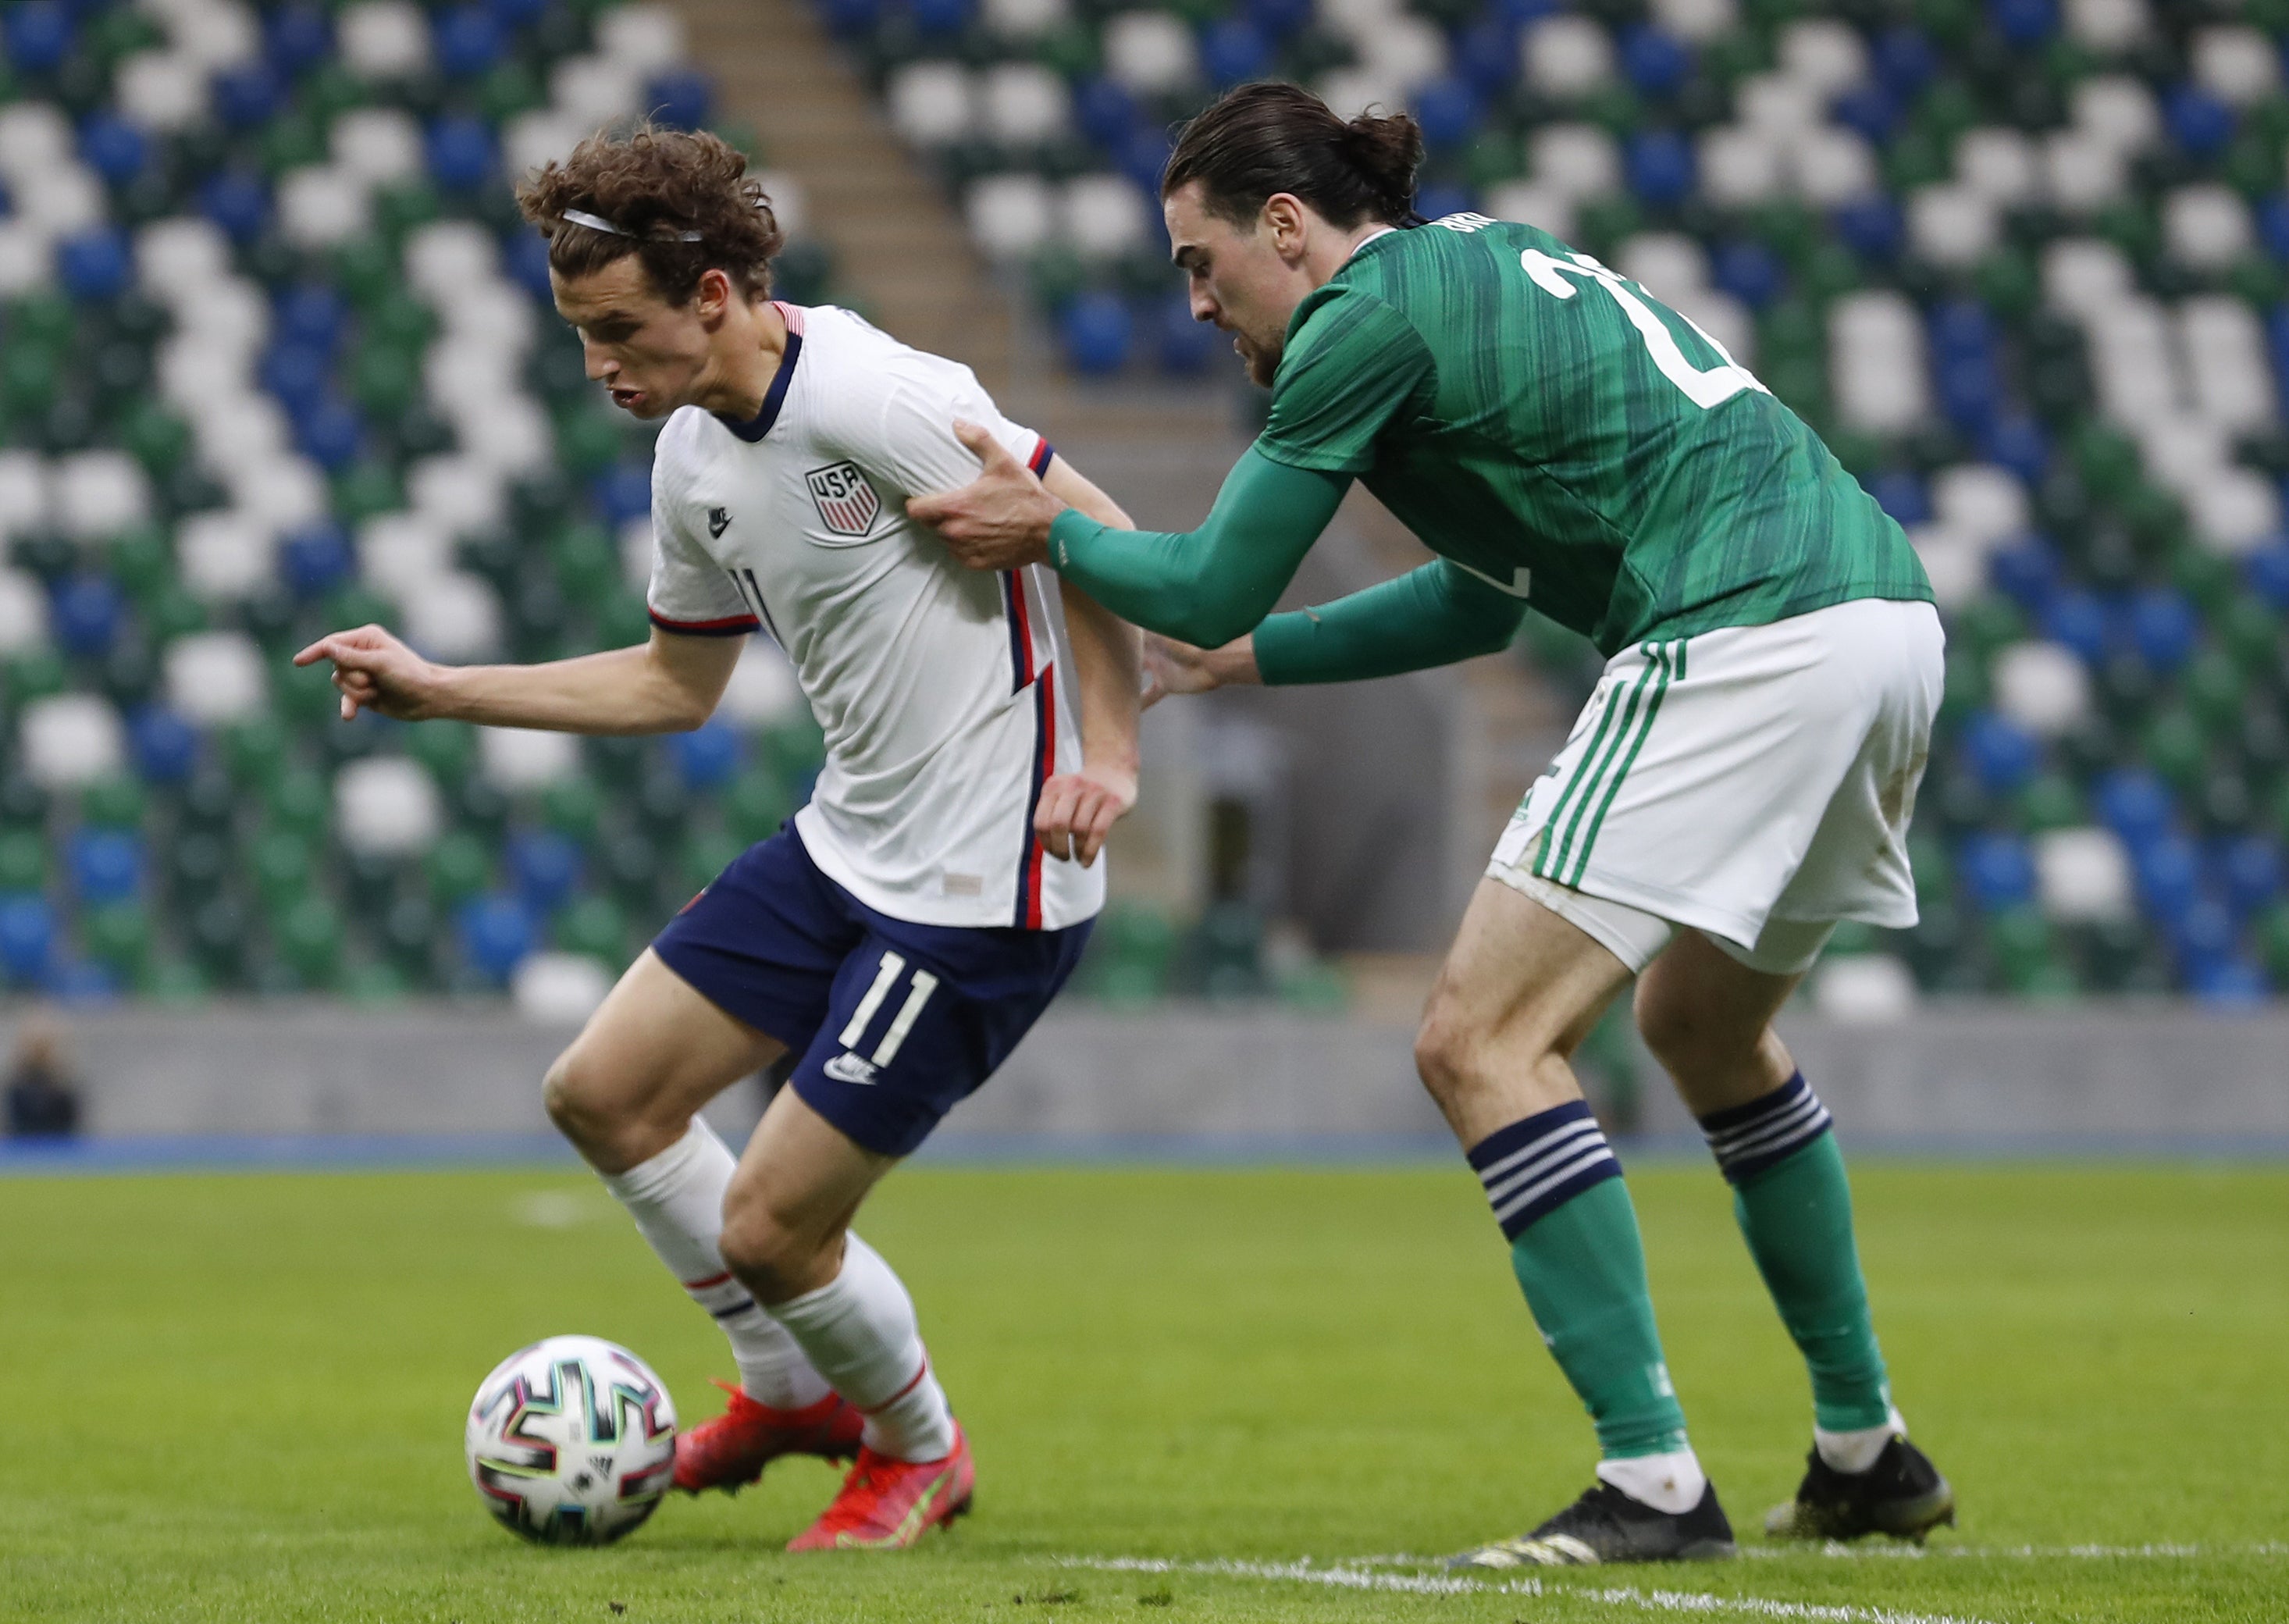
x,y
285,493
594,91
458,494
1023,104
1150,52
1024,20
1832,165
1740,166
100,493
2236,63
380,146
518,758
558,990
647,37
2236,513
1779,105
2001,164
27,258
2042,687
1956,563
454,616
1104,217
1864,990
398,551
163,91
1534,204
2106,25
1983,501
35,135
1876,372
383,39
25,494
321,206
2118,110
2083,173
60,202
1826,54
932,103
23,613
2083,875
2084,274
541,136
225,558
216,677
216,36
762,689
2207,226
179,252
1010,215
1952,225
1565,56
386,807
1407,52
68,740
1697,20
1667,264
1575,161
446,256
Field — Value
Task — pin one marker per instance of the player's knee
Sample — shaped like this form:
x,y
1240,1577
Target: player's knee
x,y
1446,1052
574,1102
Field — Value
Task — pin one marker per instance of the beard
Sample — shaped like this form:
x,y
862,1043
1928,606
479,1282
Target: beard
x,y
1261,361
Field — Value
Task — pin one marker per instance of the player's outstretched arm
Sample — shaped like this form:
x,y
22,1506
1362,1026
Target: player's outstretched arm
x,y
670,684
1078,809
1204,587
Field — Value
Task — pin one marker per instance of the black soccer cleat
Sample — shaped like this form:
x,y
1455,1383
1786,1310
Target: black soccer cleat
x,y
1607,1525
1902,1494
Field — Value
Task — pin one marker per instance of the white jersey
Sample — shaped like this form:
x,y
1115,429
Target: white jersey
x,y
941,690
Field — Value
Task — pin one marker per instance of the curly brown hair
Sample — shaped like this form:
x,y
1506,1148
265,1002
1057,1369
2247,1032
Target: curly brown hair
x,y
654,184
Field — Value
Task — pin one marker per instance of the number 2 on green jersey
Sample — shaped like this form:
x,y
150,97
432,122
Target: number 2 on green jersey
x,y
1705,389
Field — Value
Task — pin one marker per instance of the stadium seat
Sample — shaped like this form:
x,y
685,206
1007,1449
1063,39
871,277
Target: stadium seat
x,y
386,807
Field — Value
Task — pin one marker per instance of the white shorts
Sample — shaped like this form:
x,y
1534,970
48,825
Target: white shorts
x,y
1753,783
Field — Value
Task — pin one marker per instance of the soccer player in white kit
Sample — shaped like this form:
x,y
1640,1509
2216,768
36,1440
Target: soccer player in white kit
x,y
906,928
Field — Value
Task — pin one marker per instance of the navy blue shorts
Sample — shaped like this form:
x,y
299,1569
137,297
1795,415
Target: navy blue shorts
x,y
895,1023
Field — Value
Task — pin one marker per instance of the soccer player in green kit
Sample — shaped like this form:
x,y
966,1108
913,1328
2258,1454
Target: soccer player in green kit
x,y
1739,783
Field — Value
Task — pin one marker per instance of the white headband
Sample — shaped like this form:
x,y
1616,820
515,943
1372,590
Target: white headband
x,y
594,222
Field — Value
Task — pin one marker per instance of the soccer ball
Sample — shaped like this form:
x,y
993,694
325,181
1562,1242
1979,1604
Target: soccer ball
x,y
571,1441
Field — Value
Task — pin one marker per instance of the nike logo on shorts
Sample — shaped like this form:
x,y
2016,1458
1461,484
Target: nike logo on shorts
x,y
848,1068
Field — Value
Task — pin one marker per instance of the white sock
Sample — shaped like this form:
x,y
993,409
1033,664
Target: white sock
x,y
1674,1483
860,1333
677,1200
1856,1451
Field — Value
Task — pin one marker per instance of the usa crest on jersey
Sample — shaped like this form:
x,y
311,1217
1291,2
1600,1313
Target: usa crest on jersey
x,y
847,503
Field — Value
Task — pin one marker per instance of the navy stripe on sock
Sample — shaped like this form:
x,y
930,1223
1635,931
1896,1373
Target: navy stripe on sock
x,y
734,1309
1532,1167
1748,1139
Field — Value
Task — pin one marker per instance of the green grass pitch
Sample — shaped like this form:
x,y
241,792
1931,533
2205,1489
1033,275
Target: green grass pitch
x,y
1194,1395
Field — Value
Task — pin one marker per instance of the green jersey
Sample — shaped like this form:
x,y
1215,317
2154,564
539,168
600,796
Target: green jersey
x,y
1550,427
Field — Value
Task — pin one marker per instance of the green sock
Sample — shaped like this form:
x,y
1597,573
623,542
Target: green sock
x,y
1794,1204
1558,1193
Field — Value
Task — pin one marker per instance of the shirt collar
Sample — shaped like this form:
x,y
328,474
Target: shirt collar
x,y
774,398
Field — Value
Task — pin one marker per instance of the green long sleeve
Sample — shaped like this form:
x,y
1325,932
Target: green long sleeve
x,y
1432,616
1207,586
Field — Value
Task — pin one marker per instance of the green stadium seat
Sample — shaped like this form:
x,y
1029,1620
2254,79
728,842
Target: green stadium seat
x,y
118,935
574,806
308,939
284,868
113,804
755,805
2050,800
706,854
372,981
595,926
587,568
23,861
458,866
299,802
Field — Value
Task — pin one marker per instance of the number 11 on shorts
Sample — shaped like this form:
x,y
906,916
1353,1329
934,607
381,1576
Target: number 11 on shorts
x,y
923,986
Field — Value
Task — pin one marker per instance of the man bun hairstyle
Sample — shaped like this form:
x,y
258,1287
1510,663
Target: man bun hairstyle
x,y
682,202
1258,140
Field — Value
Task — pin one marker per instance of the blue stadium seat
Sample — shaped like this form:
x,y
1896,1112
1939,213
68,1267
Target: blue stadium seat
x,y
1661,166
708,757
1098,334
496,933
1448,112
2027,573
113,148
1903,495
165,746
2163,628
1234,49
38,35
314,560
296,38
467,41
2024,22
246,97
544,866
2197,121
1750,271
2001,754
1656,62
85,612
2078,618
95,265
460,153
105,865
1997,870
237,203
27,935
679,100
2134,804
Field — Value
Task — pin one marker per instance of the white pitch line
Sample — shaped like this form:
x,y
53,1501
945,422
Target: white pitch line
x,y
1835,1550
1353,1577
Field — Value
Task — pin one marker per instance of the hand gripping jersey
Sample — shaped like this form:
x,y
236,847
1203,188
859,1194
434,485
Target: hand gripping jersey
x,y
942,690
1546,425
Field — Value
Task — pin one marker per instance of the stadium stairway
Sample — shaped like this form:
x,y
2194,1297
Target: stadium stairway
x,y
900,247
